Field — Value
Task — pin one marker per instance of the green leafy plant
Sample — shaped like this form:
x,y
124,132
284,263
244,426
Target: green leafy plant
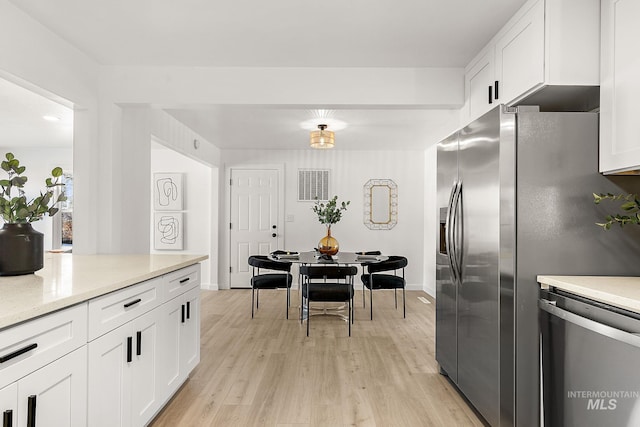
x,y
330,212
16,209
630,204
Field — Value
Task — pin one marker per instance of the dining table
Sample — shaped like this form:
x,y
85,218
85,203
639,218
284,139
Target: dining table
x,y
315,258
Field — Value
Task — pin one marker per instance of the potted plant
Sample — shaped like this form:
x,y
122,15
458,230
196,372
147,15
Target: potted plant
x,y
22,247
630,204
329,213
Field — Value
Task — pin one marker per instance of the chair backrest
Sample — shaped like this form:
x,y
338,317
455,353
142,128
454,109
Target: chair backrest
x,y
262,261
392,263
329,272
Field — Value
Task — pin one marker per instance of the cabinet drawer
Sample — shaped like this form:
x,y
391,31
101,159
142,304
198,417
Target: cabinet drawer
x,y
181,281
117,308
33,344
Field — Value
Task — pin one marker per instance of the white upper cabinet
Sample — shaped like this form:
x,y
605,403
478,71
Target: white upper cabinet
x,y
546,43
620,87
478,90
519,54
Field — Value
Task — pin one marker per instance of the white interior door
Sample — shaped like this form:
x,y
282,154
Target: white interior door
x,y
254,220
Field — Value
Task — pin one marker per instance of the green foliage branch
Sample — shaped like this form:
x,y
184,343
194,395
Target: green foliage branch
x,y
15,208
630,205
331,212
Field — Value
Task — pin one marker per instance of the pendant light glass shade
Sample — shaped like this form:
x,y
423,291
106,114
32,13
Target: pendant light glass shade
x,y
322,138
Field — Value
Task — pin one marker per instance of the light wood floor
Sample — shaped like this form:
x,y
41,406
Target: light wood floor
x,y
266,372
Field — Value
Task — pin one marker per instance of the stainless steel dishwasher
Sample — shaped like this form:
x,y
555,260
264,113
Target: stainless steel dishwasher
x,y
590,364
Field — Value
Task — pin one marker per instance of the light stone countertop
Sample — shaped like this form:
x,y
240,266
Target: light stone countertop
x,y
619,291
69,279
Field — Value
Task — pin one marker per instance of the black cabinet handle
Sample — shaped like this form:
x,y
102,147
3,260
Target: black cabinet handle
x,y
7,418
129,355
490,94
184,280
188,309
134,302
31,411
182,313
495,90
17,352
138,343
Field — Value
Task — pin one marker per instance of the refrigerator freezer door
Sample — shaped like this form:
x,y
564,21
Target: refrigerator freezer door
x,y
478,296
446,290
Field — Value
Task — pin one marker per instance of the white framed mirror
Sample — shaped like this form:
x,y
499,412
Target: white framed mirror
x,y
380,204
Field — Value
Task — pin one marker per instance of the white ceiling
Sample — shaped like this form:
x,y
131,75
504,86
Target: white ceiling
x,y
281,33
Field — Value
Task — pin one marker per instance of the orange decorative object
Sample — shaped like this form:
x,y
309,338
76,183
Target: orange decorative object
x,y
328,245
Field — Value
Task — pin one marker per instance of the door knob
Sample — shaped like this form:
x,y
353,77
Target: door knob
x,y
273,226
273,234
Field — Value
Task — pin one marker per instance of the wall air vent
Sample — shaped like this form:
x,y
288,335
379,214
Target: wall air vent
x,y
313,184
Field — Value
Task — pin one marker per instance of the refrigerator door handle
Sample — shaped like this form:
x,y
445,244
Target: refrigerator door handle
x,y
448,232
457,230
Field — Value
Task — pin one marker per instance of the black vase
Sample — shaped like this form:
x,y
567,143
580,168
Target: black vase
x,y
21,249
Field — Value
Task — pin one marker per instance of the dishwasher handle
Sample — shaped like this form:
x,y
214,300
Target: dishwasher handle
x,y
597,327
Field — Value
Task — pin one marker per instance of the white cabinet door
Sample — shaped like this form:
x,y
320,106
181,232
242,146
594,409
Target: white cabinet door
x,y
180,339
519,55
9,404
109,388
170,375
619,87
145,387
56,394
190,333
479,80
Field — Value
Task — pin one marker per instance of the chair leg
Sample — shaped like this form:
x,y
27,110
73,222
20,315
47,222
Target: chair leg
x,y
404,304
287,307
363,303
308,315
257,298
371,301
350,318
252,300
395,297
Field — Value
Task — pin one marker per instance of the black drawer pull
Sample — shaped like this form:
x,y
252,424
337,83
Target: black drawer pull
x,y
184,280
182,313
7,418
31,411
188,309
495,90
490,94
134,302
129,345
139,343
17,352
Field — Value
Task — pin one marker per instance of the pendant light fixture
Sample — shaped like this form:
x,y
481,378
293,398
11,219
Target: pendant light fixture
x,y
322,138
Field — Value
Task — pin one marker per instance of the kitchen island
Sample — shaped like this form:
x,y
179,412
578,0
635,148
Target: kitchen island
x,y
100,340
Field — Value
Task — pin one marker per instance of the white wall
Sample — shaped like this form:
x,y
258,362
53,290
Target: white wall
x,y
38,59
197,204
430,219
350,170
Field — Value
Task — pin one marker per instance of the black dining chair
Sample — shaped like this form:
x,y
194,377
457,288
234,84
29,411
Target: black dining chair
x,y
374,278
327,283
269,280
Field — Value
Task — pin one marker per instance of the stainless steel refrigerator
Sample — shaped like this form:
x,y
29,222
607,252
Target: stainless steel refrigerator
x,y
515,197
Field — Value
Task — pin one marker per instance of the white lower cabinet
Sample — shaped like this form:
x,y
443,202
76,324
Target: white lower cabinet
x,y
9,404
54,395
136,367
181,335
123,370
